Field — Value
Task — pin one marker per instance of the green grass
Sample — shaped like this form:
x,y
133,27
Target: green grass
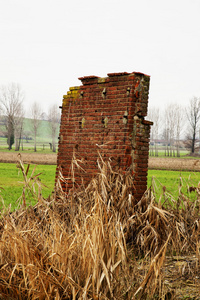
x,y
30,149
161,153
11,181
183,154
170,181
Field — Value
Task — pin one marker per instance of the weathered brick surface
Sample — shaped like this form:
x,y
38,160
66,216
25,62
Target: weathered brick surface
x,y
106,116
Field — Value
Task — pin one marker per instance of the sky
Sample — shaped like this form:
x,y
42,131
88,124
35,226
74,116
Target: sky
x,y
47,44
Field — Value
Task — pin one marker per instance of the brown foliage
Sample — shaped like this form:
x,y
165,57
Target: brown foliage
x,y
94,243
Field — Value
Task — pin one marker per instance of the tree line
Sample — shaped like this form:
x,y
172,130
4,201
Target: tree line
x,y
12,111
176,126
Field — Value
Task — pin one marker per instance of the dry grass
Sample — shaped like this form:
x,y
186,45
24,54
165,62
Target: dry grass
x,y
184,164
175,164
28,158
94,243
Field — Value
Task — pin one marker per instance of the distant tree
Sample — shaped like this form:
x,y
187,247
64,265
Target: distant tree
x,y
10,133
173,127
11,102
35,120
165,137
170,127
44,116
179,126
54,120
18,126
27,135
154,115
165,133
193,116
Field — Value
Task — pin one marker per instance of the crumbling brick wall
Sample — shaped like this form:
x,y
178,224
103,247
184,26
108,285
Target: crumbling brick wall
x,y
106,116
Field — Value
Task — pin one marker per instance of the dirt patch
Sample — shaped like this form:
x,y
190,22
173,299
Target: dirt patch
x,y
30,158
158,163
176,164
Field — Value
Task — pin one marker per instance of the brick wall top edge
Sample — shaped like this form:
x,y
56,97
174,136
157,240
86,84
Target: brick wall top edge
x,y
88,77
139,73
146,122
118,74
93,79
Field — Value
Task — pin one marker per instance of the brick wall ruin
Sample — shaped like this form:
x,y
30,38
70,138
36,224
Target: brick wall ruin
x,y
106,116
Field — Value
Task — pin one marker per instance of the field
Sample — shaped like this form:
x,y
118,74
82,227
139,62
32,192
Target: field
x,y
96,244
43,138
29,157
12,182
180,164
170,180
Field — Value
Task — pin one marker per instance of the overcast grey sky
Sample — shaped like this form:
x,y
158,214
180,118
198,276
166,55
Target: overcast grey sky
x,y
46,45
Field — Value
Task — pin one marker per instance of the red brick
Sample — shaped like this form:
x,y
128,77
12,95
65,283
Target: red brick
x,y
114,139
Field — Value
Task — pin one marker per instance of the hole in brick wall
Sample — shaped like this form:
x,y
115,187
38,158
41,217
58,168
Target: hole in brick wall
x,y
104,121
128,150
128,91
81,94
125,118
83,123
104,93
76,147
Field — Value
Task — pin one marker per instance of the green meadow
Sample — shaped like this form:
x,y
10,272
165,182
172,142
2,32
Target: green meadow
x,y
170,183
12,182
160,181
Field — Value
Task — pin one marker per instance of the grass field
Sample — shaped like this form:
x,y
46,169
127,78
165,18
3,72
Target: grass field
x,y
11,181
161,153
171,181
43,137
183,154
43,145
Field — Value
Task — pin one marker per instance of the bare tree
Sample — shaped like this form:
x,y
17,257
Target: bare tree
x,y
54,120
193,116
35,120
165,136
173,126
11,102
170,118
154,115
18,125
179,126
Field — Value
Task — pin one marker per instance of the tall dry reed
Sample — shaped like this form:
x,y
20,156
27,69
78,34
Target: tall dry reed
x,y
94,243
